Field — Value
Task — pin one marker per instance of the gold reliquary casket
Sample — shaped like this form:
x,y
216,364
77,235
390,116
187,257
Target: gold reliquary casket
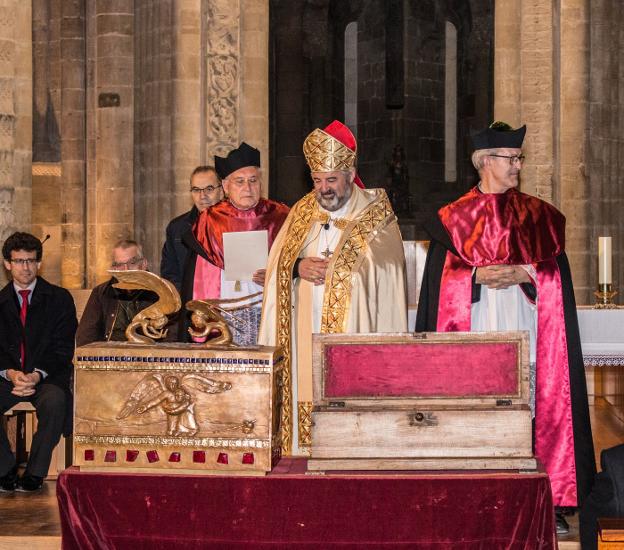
x,y
176,408
425,401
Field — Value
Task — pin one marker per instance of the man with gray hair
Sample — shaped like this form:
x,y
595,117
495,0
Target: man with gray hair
x,y
496,261
244,209
110,310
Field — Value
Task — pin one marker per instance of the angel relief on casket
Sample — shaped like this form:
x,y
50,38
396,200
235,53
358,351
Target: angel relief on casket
x,y
173,395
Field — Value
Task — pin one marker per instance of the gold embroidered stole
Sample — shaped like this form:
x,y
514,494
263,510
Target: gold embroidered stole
x,y
296,234
337,296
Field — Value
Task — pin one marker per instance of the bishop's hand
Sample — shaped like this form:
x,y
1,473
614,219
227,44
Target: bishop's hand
x,y
501,276
313,270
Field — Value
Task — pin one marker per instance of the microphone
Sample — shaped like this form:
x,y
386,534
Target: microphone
x,y
326,226
45,238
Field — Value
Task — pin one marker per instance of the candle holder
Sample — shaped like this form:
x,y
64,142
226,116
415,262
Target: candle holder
x,y
604,297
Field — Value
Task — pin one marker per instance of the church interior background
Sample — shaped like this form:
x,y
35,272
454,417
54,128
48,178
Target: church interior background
x,y
106,106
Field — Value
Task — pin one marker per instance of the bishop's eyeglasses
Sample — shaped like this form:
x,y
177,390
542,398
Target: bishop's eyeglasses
x,y
512,158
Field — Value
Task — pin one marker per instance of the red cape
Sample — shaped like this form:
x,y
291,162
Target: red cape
x,y
225,218
514,228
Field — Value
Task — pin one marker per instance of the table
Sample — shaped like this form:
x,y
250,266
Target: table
x,y
602,340
289,509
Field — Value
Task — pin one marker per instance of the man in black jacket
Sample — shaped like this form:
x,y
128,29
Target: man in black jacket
x,y
38,325
206,190
606,499
110,310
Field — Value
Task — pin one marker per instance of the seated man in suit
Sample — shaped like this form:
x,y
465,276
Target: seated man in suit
x,y
110,310
38,325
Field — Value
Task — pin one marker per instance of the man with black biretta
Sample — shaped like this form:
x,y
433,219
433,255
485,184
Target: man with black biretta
x,y
242,210
497,262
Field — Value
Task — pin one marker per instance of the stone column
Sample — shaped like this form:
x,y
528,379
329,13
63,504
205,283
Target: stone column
x,y
571,185
154,172
541,80
187,105
47,211
15,117
221,50
73,143
168,119
254,80
236,93
605,191
507,61
523,89
110,124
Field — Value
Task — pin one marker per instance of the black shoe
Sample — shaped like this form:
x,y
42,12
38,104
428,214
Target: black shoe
x,y
8,481
29,483
562,525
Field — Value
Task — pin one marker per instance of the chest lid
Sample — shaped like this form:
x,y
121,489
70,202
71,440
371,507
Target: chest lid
x,y
446,369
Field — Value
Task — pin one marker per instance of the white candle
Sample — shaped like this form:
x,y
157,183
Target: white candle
x,y
604,260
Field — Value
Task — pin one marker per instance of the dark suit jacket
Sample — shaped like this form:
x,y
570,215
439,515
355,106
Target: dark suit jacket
x,y
606,498
49,332
174,252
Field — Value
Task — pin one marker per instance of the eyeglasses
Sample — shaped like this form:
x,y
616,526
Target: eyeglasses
x,y
24,261
207,189
512,158
132,262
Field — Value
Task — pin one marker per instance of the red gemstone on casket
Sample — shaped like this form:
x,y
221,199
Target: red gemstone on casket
x,y
222,458
199,456
131,456
152,456
110,456
174,457
248,458
89,454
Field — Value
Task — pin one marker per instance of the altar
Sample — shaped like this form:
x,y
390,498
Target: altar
x,y
291,509
602,340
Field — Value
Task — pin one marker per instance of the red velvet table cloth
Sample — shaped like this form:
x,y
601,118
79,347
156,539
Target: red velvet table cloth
x,y
288,509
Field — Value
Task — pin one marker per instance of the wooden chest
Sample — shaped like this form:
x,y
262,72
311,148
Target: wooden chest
x,y
426,401
176,407
611,534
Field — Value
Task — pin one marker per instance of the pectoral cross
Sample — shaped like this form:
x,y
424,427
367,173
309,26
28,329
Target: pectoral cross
x,y
326,253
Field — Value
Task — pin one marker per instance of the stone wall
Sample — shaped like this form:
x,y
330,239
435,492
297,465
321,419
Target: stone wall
x,y
15,118
201,85
400,87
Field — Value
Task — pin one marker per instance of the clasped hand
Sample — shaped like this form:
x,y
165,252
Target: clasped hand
x,y
313,270
23,384
501,276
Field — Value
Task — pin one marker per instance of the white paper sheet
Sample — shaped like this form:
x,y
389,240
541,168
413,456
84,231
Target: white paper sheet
x,y
244,253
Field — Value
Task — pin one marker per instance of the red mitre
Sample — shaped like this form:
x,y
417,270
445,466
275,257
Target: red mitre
x,y
342,133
